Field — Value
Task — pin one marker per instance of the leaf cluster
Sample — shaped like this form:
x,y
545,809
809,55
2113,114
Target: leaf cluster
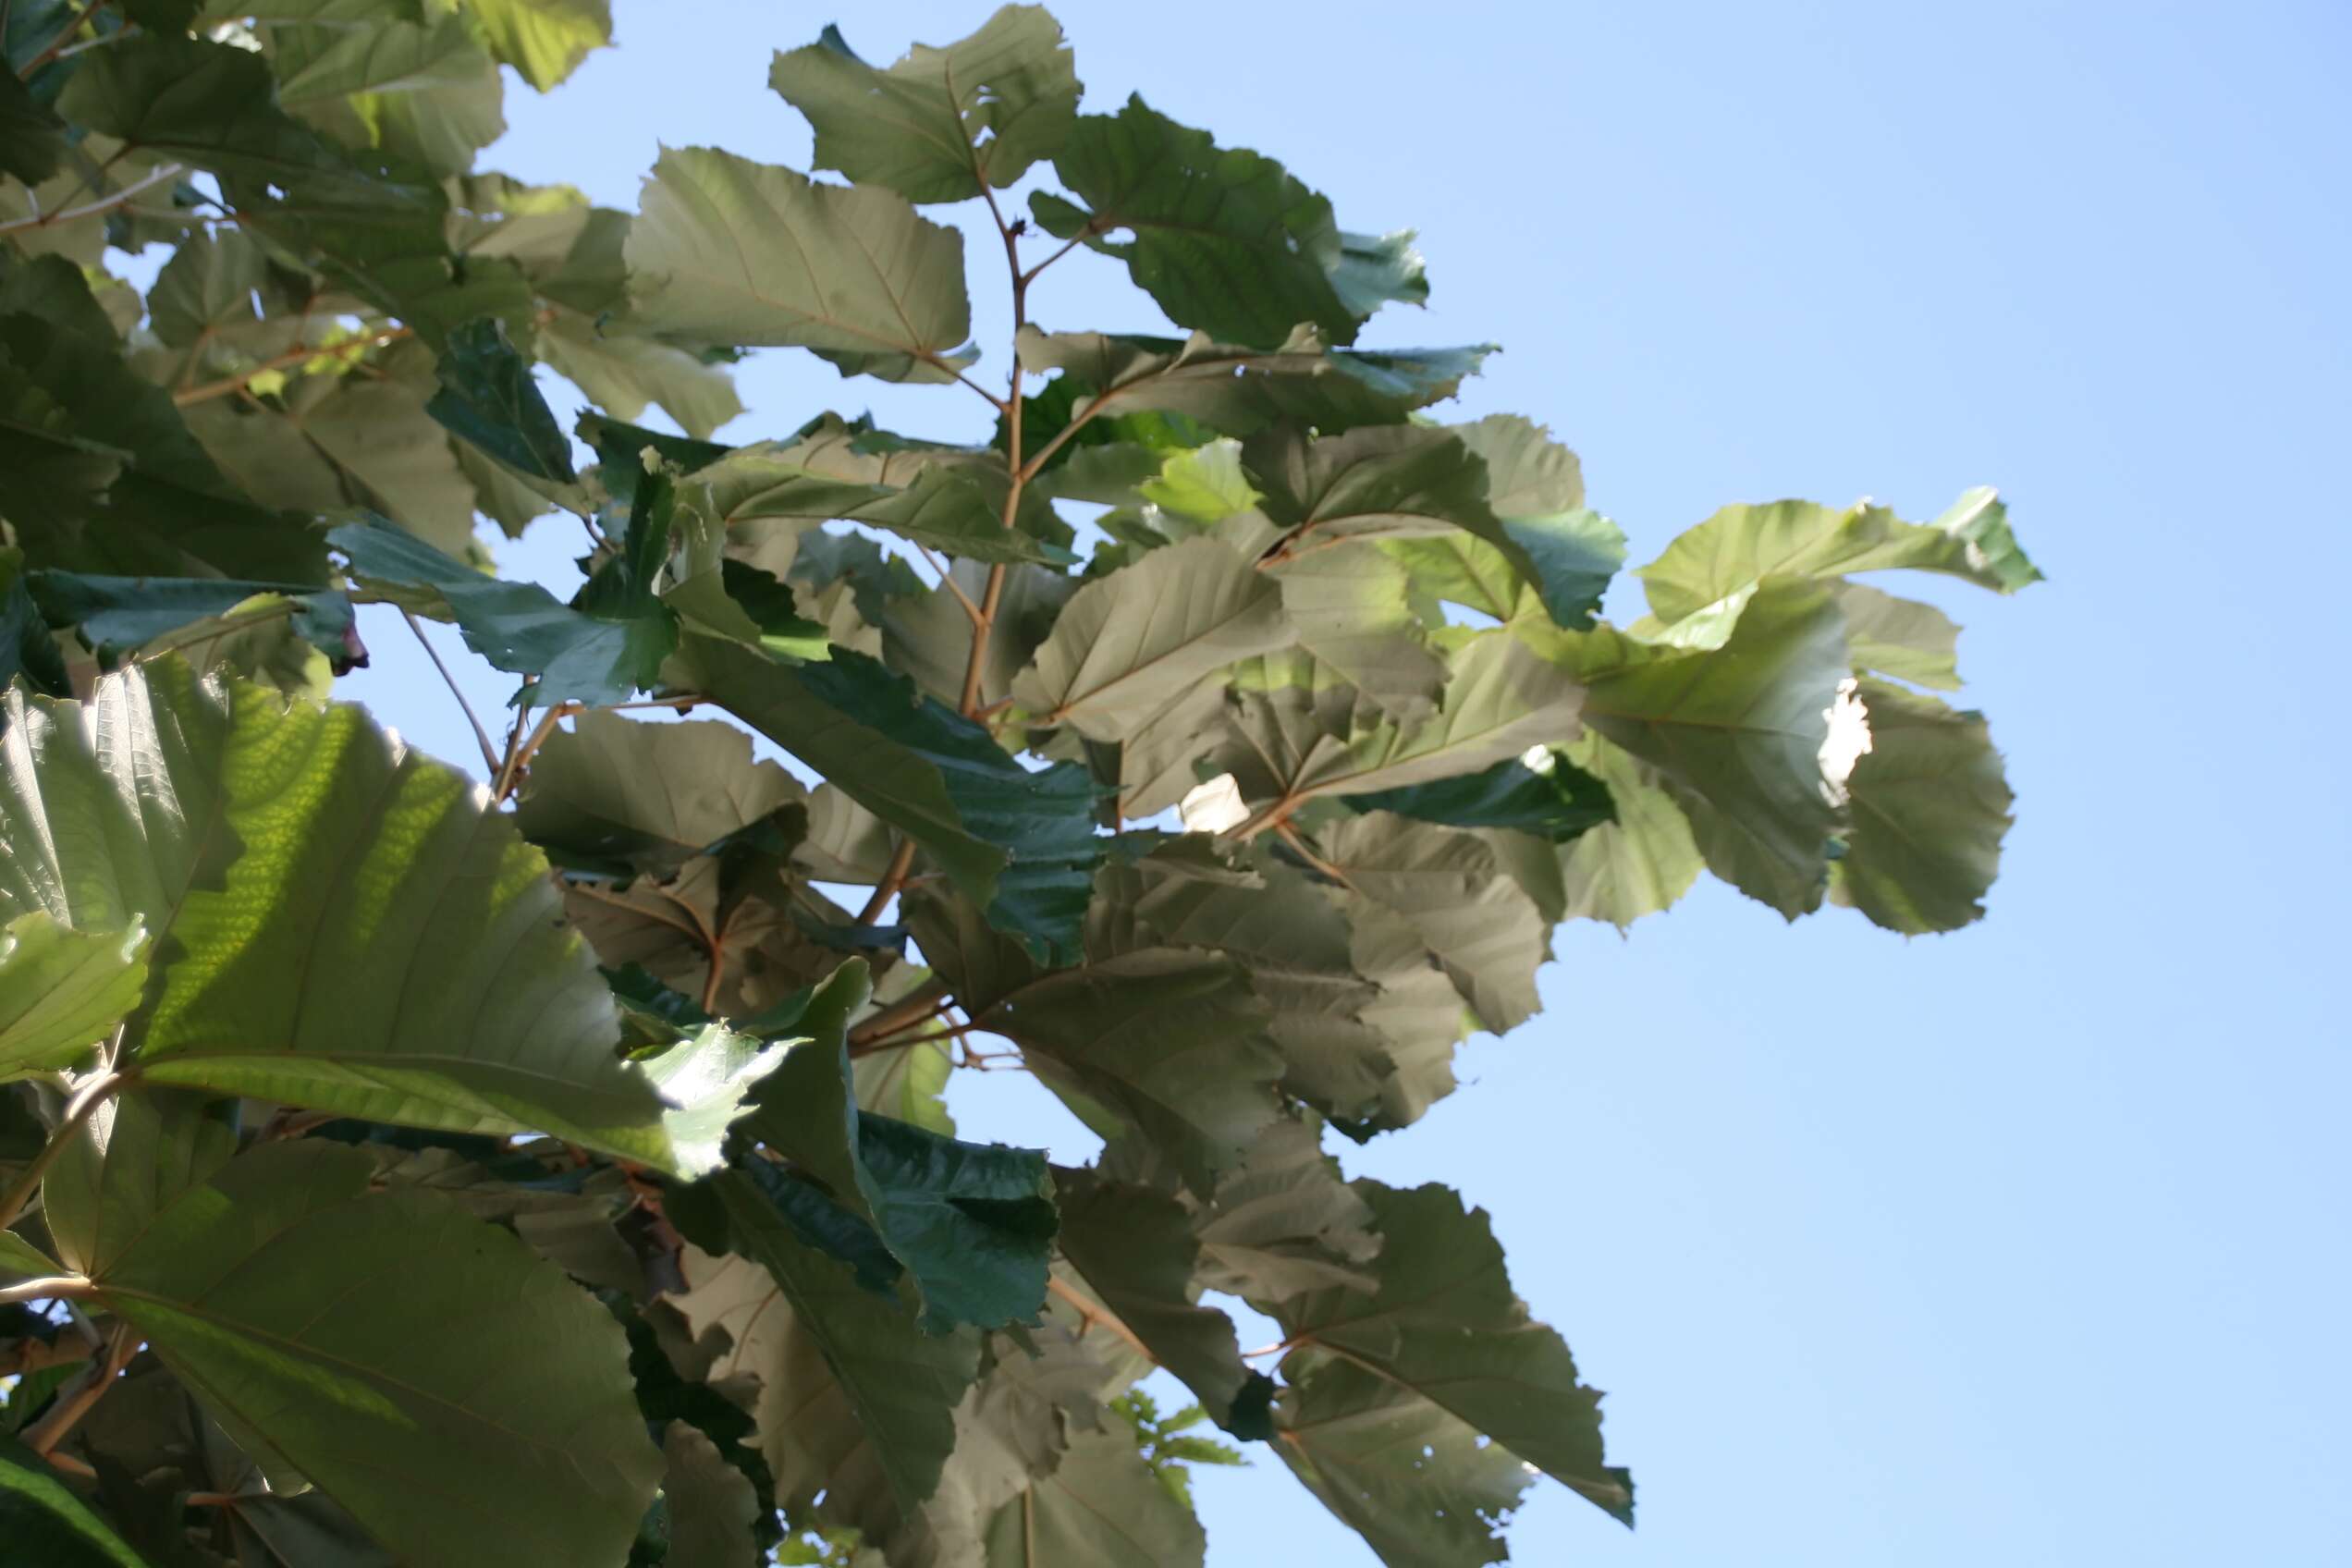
x,y
556,1166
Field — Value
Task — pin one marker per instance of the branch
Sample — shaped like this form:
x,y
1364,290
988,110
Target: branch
x,y
984,624
1089,1314
347,350
156,176
81,1109
213,633
893,878
482,736
49,51
926,1000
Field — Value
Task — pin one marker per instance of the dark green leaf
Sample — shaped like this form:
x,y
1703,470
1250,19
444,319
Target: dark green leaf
x,y
45,1523
116,614
519,627
1135,1249
1222,240
1552,798
488,397
535,1454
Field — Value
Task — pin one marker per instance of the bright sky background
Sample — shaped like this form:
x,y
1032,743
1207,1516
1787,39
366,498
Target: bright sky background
x,y
2026,1245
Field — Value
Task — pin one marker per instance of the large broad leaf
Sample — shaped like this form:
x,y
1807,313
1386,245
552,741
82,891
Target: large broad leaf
x,y
1542,792
519,627
1298,733
1238,389
1737,732
1100,1504
1133,1246
45,1523
1353,610
1478,924
63,991
708,1504
488,397
728,250
1930,808
1742,546
98,471
1438,1355
948,498
1162,1044
855,1399
1637,863
543,40
1901,638
1536,488
339,922
1292,943
971,1223
1022,842
943,123
116,614
289,1299
1284,1224
646,796
1223,240
1129,642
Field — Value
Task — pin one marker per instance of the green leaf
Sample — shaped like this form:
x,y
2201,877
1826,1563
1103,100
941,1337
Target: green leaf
x,y
1742,546
1736,733
1478,924
63,991
1353,610
1158,1043
525,1431
45,1523
1640,863
26,647
710,1504
519,627
868,276
33,141
544,40
646,796
1223,240
709,1078
1537,488
622,373
1022,842
853,1397
972,1224
942,121
1296,734
1127,642
1101,1503
488,397
1380,269
1283,1223
951,499
80,424
319,897
1239,389
1551,797
1439,1355
1134,1247
1929,809
117,613
1901,638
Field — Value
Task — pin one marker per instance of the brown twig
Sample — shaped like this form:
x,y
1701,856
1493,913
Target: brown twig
x,y
349,349
1089,1314
108,202
926,1001
81,1109
65,36
894,877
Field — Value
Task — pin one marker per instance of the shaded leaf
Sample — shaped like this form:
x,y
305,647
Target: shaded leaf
x,y
1389,1391
867,274
47,1524
1542,793
1100,1504
488,397
1929,809
62,991
1128,642
646,796
524,1432
940,122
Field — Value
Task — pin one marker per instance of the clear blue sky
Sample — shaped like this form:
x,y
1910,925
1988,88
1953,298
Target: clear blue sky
x,y
2022,1246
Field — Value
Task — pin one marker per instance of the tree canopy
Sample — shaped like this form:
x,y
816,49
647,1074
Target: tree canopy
x,y
552,1165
